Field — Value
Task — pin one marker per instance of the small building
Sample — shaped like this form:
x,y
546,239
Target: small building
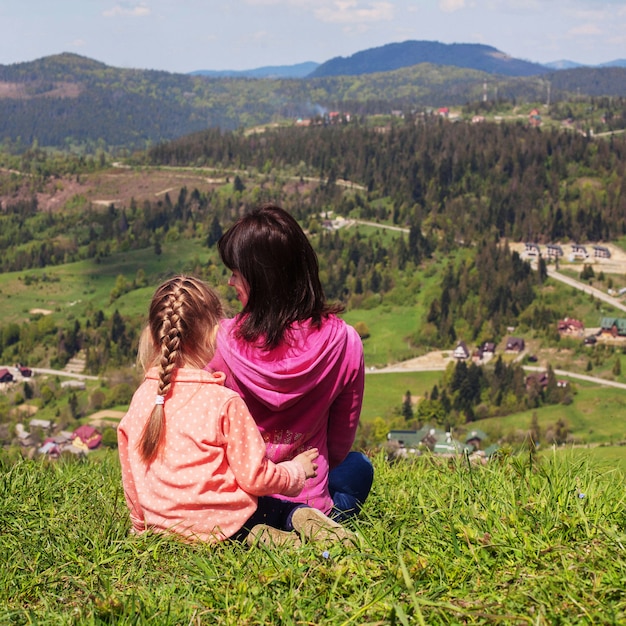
x,y
515,344
579,252
601,252
5,376
613,326
554,251
474,438
534,118
540,379
24,371
488,347
531,249
73,384
570,326
86,437
461,351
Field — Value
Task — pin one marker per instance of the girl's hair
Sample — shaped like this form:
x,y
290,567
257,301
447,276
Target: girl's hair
x,y
182,325
270,250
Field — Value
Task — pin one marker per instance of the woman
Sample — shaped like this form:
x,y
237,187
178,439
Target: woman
x,y
298,366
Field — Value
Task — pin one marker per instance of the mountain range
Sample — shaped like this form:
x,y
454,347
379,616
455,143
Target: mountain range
x,y
72,102
397,55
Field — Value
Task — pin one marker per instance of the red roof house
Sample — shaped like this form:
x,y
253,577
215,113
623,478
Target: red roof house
x,y
86,436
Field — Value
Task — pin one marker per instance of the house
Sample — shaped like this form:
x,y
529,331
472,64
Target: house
x,y
43,424
537,380
73,384
26,372
443,111
474,438
461,351
601,252
554,251
579,252
446,444
613,326
411,440
534,118
5,376
86,437
570,326
515,344
531,249
488,347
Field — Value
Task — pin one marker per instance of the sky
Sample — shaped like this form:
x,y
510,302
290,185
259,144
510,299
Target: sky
x,y
186,35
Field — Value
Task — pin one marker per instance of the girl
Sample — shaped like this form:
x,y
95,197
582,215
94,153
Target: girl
x,y
193,461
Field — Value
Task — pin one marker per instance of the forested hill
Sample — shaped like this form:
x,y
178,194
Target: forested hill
x,y
476,179
396,55
69,101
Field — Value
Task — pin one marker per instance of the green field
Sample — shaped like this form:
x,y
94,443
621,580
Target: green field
x,y
520,541
67,290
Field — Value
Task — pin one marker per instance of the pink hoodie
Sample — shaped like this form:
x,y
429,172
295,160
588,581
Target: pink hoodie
x,y
307,393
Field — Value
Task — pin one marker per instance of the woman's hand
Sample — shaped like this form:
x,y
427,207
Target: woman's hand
x,y
306,459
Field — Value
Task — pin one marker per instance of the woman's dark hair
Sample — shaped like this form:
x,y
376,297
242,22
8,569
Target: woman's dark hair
x,y
270,250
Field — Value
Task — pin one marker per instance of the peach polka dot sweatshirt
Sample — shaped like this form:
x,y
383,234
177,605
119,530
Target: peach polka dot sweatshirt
x,y
205,483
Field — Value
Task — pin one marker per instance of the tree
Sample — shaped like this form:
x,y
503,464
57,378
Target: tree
x,y
617,367
362,329
215,232
407,407
73,404
238,185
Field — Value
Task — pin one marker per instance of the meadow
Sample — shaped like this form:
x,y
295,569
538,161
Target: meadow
x,y
519,541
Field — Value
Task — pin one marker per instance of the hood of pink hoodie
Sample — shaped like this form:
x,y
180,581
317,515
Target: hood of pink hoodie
x,y
280,377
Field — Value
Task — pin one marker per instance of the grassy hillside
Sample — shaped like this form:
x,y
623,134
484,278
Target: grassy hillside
x,y
442,542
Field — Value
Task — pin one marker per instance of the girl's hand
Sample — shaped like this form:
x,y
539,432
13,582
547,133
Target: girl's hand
x,y
306,459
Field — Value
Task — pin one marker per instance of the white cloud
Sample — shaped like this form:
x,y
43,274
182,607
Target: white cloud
x,y
128,10
450,6
586,29
353,12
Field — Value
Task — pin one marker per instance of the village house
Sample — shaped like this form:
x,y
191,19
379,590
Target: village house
x,y
601,252
570,326
554,251
531,249
86,437
24,371
534,118
540,379
461,351
488,348
579,252
5,376
613,326
515,344
427,438
474,438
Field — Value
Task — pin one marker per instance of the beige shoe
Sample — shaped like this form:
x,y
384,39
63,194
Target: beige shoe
x,y
272,537
313,525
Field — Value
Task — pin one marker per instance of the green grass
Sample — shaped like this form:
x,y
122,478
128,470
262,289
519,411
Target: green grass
x,y
68,289
595,416
389,326
385,392
513,542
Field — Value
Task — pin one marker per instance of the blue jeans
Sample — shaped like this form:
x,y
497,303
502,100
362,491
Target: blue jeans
x,y
349,484
271,511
